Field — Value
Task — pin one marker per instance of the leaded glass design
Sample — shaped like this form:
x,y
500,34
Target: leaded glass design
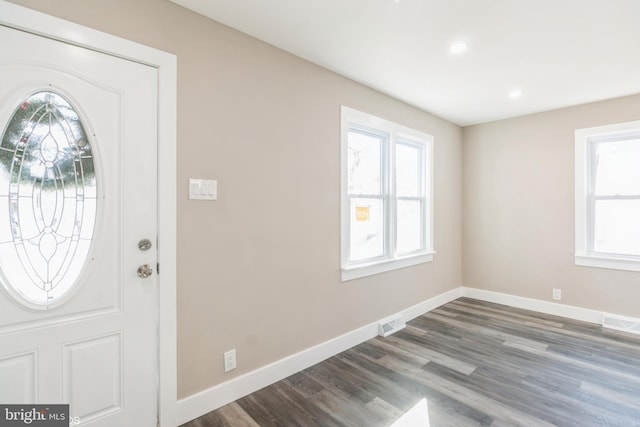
x,y
48,199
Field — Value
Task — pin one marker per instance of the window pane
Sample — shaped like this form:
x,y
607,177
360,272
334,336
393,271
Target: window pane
x,y
367,230
364,163
48,193
408,170
409,230
617,167
617,228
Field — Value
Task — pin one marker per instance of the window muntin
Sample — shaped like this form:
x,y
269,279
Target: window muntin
x,y
386,208
608,196
48,199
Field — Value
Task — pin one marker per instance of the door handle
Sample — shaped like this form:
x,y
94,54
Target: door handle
x,y
144,271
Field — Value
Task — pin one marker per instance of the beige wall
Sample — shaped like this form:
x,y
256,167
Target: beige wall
x,y
518,204
258,270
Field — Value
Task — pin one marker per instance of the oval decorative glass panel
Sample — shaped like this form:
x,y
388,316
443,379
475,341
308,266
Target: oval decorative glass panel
x,y
48,199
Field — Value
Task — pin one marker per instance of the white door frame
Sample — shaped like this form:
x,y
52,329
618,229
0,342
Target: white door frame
x,y
21,18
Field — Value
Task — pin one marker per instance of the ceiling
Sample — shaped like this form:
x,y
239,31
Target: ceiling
x,y
558,53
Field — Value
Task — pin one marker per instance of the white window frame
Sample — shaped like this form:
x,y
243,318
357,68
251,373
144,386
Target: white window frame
x,y
392,135
585,255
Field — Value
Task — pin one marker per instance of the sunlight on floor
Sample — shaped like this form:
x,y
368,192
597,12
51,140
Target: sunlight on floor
x,y
418,416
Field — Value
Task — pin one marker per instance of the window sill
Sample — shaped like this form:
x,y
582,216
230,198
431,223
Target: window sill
x,y
601,261
355,272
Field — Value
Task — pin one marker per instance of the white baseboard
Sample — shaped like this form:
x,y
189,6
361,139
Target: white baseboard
x,y
556,309
208,400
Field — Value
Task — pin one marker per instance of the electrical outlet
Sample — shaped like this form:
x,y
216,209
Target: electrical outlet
x,y
557,294
230,362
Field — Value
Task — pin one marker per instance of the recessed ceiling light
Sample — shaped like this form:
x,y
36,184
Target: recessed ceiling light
x,y
515,93
458,48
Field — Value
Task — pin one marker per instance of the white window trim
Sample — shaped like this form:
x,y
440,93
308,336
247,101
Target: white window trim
x,y
405,135
584,253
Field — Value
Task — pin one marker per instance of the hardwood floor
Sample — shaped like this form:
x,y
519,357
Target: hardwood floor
x,y
476,363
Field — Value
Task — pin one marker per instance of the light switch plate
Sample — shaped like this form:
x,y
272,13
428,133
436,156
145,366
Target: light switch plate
x,y
203,189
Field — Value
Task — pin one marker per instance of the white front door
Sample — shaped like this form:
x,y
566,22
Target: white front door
x,y
78,192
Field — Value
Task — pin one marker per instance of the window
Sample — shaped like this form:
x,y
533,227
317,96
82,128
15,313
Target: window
x,y
47,197
607,169
386,195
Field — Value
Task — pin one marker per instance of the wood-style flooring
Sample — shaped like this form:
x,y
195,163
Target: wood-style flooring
x,y
475,363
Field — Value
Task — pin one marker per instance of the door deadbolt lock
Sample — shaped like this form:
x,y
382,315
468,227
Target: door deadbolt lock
x,y
144,244
144,271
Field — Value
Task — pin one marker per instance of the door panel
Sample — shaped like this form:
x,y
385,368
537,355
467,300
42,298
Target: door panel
x,y
18,372
97,348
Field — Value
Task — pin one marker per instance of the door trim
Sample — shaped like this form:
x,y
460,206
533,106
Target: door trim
x,y
31,21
